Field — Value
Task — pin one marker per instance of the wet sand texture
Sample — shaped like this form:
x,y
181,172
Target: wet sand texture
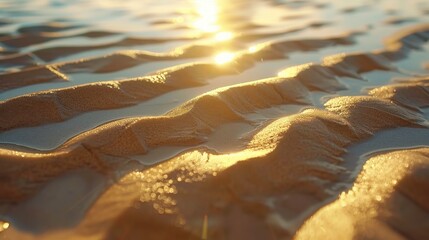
x,y
214,121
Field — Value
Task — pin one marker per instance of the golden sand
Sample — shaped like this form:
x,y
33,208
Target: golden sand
x,y
257,105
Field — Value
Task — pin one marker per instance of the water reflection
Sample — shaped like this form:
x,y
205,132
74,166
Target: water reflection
x,y
224,21
224,36
207,11
224,57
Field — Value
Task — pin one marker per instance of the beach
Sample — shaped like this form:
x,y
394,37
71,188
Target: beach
x,y
214,119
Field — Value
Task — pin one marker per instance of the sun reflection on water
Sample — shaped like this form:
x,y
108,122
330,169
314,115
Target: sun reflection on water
x,y
224,36
207,11
224,57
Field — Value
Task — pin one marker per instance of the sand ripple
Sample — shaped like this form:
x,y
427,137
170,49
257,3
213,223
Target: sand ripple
x,y
388,200
258,118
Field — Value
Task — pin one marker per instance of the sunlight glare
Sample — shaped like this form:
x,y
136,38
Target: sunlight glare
x,y
224,57
224,36
207,11
258,47
252,49
293,71
4,226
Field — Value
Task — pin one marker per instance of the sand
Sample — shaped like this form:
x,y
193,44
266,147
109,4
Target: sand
x,y
386,201
221,120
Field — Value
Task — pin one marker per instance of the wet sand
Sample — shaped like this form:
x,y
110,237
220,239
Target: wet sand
x,y
214,120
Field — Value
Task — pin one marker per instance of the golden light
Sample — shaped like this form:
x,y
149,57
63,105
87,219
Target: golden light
x,y
4,226
252,49
294,71
207,11
258,47
224,36
224,57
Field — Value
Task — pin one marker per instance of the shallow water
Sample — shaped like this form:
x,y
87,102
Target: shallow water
x,y
60,60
